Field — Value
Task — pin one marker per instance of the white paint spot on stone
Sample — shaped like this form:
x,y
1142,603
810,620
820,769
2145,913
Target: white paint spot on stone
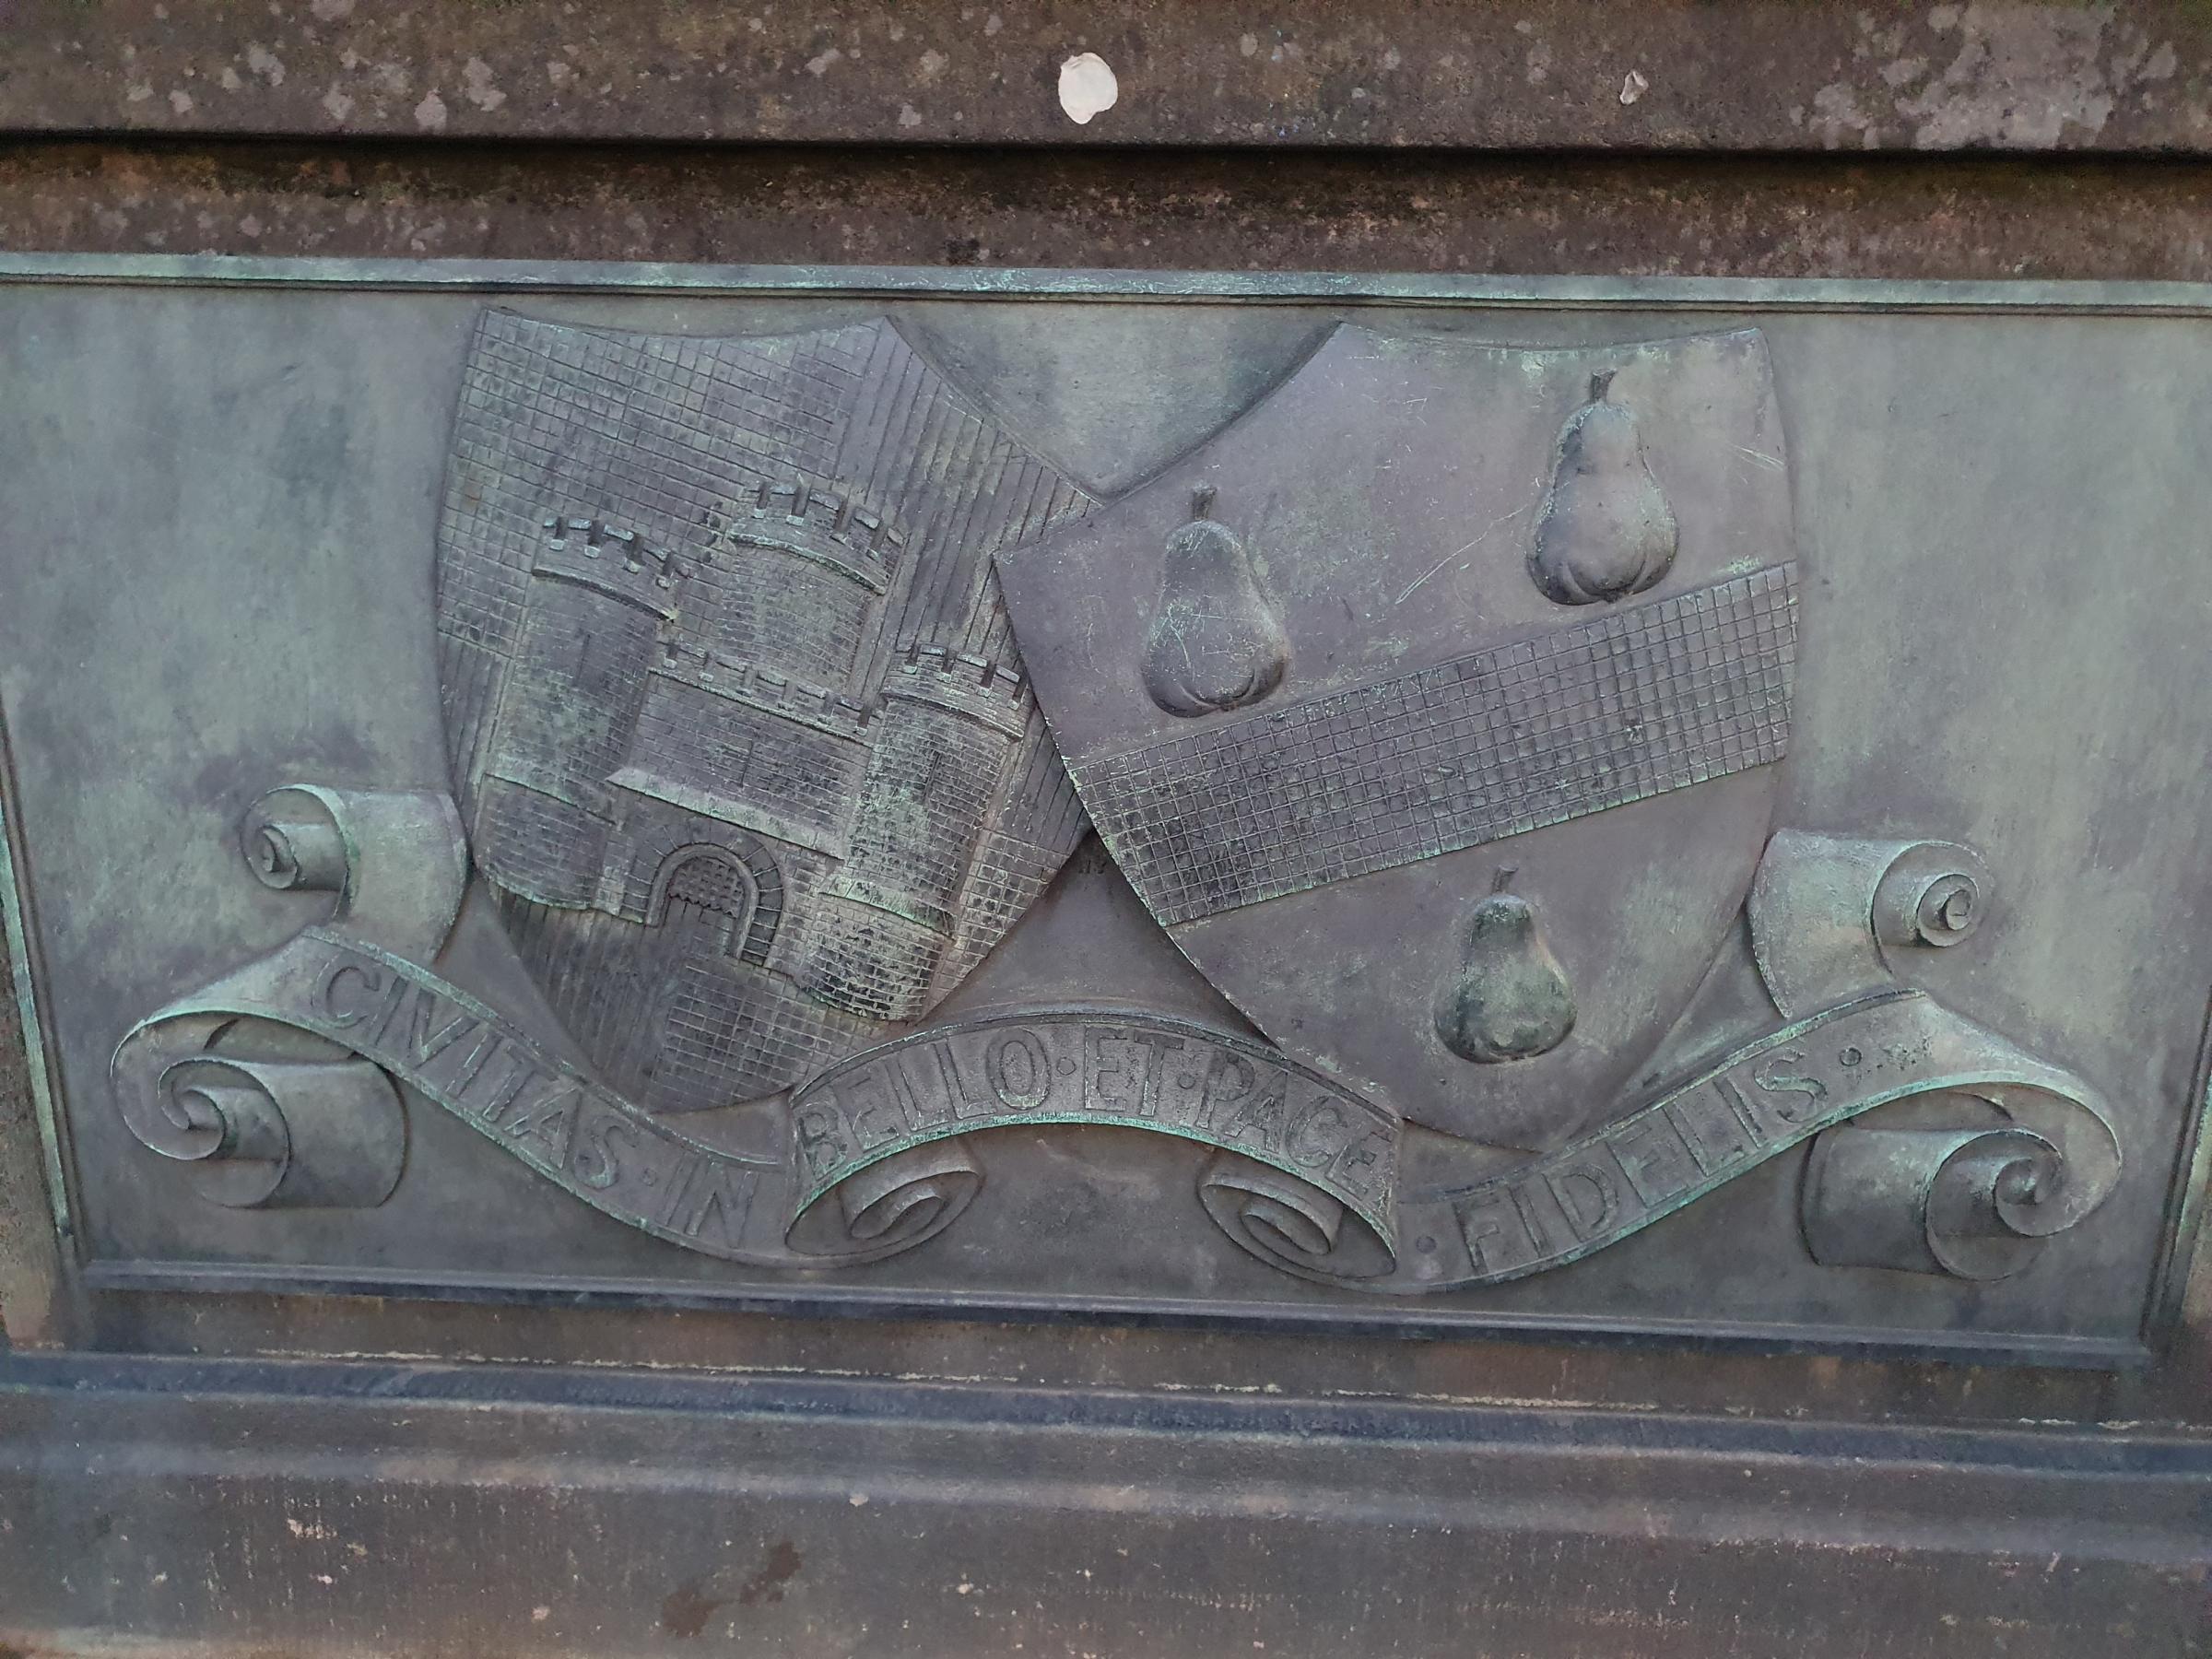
x,y
933,63
539,1614
181,101
823,64
330,11
137,91
994,23
1087,86
250,226
265,63
909,116
230,78
476,85
1391,58
429,114
1248,45
1634,86
336,104
560,72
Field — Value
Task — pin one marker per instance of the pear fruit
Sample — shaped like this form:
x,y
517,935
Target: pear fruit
x,y
1214,643
1510,998
1605,529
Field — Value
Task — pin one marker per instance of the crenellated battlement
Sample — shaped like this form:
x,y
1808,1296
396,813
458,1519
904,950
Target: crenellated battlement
x,y
814,524
963,682
614,560
821,707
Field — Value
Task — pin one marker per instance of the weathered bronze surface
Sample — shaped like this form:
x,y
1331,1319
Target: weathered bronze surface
x,y
1608,799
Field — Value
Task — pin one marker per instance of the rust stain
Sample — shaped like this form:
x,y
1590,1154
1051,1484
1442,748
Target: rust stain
x,y
685,1609
766,1586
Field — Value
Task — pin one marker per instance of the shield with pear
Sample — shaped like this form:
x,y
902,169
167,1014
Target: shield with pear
x,y
1435,706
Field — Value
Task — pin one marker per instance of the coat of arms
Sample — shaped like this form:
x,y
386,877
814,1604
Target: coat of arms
x,y
738,730
1437,707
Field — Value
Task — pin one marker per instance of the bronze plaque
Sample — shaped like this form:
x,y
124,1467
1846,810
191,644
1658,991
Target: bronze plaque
x,y
1404,804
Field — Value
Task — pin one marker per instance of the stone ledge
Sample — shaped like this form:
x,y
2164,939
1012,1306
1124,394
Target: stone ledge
x,y
615,1513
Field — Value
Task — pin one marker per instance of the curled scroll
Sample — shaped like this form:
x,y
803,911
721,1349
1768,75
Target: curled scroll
x,y
271,1134
1927,1200
1826,916
912,1196
1287,1223
347,1006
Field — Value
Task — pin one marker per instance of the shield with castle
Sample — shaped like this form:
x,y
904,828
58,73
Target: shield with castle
x,y
1434,705
738,730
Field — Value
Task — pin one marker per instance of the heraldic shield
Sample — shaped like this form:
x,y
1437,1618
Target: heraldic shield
x,y
738,728
1461,820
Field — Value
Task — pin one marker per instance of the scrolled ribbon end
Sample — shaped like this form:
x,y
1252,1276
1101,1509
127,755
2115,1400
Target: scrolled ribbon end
x,y
1973,1204
1291,1224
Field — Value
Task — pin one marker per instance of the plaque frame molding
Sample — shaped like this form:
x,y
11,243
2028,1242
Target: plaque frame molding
x,y
1693,294
57,1272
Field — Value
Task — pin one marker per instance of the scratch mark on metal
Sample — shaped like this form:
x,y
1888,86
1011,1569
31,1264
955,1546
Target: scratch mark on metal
x,y
1458,552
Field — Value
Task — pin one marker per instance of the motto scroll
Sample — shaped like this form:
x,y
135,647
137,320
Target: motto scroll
x,y
273,1083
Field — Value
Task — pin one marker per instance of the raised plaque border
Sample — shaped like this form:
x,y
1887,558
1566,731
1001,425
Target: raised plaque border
x,y
2186,1198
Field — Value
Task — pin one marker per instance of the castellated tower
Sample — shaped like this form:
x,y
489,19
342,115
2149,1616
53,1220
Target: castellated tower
x,y
948,726
597,607
733,796
806,571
